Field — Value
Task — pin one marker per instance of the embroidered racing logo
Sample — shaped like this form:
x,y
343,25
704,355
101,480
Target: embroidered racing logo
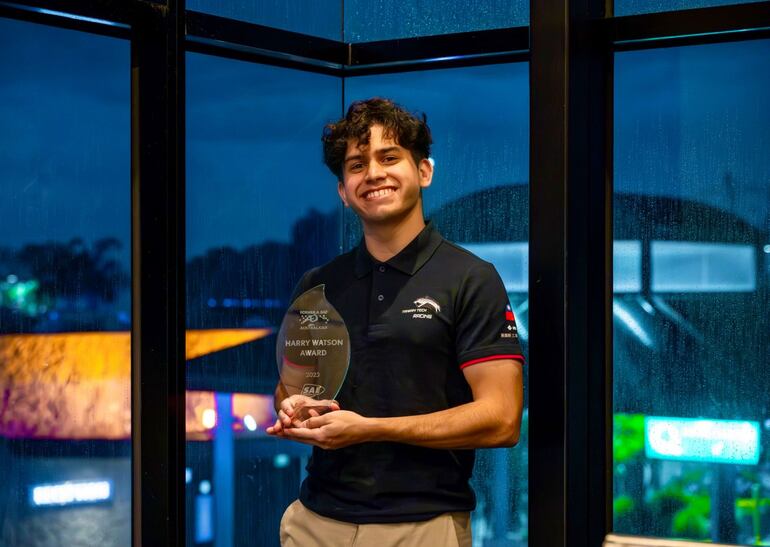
x,y
425,309
427,301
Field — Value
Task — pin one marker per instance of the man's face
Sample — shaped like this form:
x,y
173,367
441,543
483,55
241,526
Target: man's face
x,y
381,181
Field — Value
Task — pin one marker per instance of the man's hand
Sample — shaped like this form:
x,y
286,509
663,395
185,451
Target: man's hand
x,y
296,409
336,429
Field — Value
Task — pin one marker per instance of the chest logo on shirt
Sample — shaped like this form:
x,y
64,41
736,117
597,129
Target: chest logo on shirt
x,y
425,309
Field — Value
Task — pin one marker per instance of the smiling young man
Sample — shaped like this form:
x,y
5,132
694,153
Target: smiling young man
x,y
435,367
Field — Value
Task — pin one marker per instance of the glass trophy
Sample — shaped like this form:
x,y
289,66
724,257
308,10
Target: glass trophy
x,y
312,350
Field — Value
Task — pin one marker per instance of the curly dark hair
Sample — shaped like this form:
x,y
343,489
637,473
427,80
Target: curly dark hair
x,y
406,129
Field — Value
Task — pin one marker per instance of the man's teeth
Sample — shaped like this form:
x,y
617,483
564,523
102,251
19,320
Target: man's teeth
x,y
378,193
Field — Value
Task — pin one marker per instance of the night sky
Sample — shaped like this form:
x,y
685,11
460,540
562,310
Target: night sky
x,y
690,122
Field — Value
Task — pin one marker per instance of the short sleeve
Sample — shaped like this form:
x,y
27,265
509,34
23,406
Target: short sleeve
x,y
485,324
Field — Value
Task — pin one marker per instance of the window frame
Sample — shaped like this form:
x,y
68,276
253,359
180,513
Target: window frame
x,y
569,47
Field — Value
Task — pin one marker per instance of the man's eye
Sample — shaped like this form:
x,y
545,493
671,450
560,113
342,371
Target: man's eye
x,y
390,159
356,166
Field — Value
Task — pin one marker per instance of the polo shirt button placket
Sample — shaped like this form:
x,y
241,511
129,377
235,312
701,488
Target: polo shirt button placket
x,y
382,269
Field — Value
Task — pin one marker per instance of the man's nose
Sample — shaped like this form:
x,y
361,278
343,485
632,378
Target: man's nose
x,y
375,171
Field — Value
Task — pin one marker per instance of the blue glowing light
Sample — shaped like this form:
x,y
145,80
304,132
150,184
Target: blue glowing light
x,y
281,461
80,18
204,519
249,422
620,311
695,439
70,493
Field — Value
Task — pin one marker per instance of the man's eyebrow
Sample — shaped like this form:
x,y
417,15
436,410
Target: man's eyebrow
x,y
388,150
379,151
353,157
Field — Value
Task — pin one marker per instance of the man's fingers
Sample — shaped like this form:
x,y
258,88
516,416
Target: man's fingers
x,y
315,423
302,433
284,418
275,428
287,406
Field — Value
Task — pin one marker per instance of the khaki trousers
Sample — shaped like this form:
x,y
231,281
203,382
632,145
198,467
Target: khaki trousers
x,y
300,527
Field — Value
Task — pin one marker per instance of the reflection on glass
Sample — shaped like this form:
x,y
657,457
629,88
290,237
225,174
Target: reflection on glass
x,y
321,18
370,20
633,7
511,259
261,210
703,267
479,198
627,263
65,421
691,456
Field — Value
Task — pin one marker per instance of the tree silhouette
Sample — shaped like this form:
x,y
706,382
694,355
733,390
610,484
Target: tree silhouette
x,y
73,270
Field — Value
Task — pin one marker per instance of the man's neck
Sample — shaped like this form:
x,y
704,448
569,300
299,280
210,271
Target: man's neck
x,y
384,241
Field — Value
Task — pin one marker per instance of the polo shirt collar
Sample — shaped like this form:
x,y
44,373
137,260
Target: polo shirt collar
x,y
410,259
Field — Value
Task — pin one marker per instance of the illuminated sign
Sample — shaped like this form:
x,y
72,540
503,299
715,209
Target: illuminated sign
x,y
697,440
70,493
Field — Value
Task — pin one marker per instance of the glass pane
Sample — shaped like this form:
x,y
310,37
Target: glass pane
x,y
65,362
370,20
633,7
321,18
479,119
692,181
261,210
703,267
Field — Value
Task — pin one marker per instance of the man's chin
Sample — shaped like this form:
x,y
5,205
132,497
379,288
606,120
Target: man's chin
x,y
381,217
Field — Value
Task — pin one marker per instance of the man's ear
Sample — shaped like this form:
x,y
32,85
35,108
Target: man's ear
x,y
426,172
341,192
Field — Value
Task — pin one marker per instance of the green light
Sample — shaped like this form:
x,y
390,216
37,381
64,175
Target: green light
x,y
697,440
20,295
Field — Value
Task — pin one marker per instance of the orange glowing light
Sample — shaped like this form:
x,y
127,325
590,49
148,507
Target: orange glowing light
x,y
77,385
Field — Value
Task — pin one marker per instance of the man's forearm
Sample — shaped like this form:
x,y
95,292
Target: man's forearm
x,y
478,424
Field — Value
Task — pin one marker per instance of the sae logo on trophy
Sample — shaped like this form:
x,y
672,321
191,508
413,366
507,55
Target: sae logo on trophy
x,y
313,390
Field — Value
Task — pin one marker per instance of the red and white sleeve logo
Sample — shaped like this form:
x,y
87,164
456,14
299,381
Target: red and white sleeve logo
x,y
509,330
509,314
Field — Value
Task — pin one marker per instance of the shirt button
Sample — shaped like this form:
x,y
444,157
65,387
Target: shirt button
x,y
382,268
380,298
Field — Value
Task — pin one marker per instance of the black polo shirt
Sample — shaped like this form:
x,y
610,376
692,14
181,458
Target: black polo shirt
x,y
415,322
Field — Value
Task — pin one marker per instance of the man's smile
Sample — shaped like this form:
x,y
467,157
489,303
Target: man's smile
x,y
378,193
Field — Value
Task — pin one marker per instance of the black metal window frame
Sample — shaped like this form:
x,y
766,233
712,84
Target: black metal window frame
x,y
569,46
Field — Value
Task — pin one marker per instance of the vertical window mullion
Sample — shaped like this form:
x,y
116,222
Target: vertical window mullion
x,y
570,281
158,256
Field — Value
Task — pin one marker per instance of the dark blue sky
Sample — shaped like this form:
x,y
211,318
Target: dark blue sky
x,y
684,118
64,135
